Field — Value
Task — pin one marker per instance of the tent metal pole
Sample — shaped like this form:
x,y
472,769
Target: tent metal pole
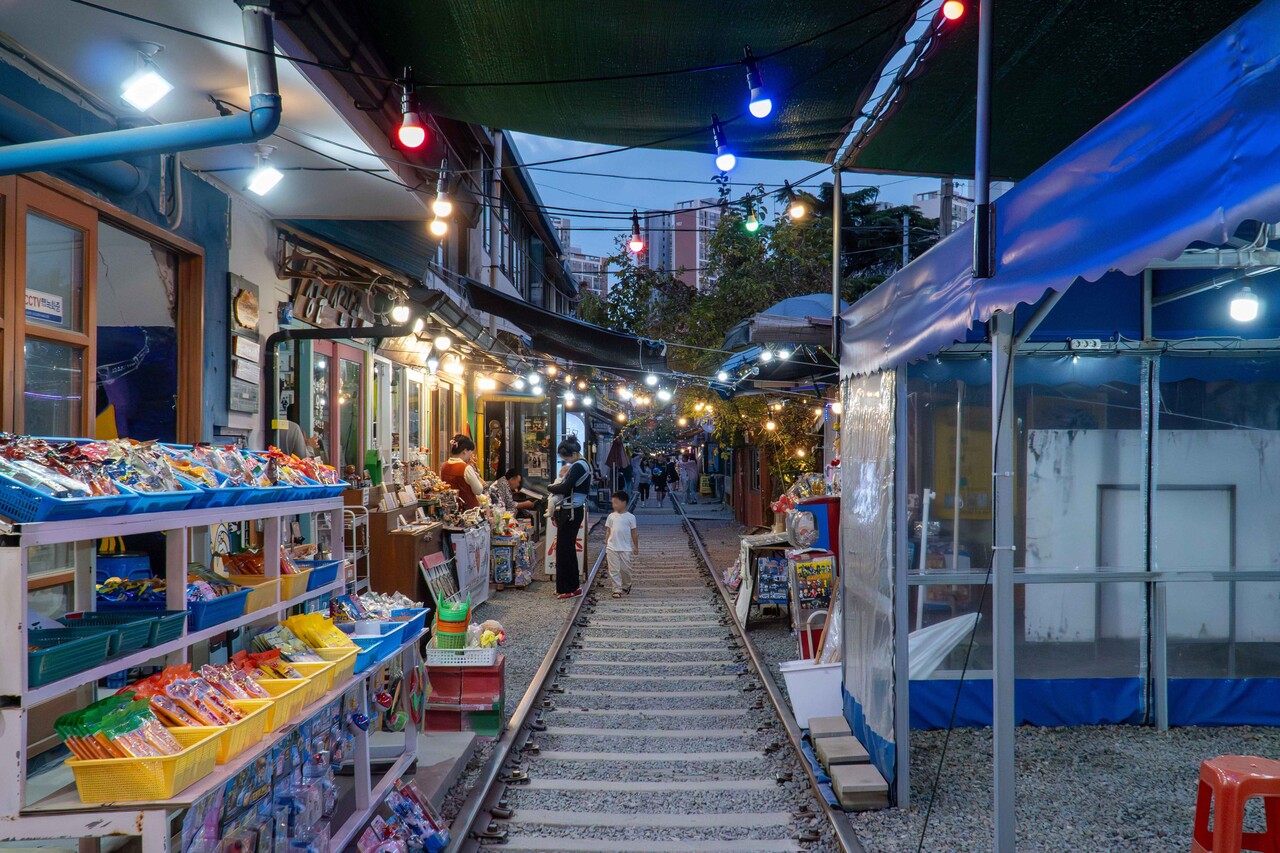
x,y
902,593
983,233
837,203
1003,723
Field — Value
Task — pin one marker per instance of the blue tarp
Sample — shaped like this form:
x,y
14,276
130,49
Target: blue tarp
x,y
1036,702
1190,159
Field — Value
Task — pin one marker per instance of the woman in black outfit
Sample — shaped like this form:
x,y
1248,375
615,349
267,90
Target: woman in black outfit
x,y
573,489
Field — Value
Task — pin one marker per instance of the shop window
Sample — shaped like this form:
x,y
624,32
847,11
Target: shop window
x,y
349,413
137,337
321,423
415,413
55,274
53,386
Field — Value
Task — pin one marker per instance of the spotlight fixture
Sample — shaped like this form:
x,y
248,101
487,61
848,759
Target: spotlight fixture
x,y
1244,306
442,206
725,161
412,133
953,10
518,384
145,87
722,376
443,342
636,243
766,356
759,104
400,313
651,380
264,176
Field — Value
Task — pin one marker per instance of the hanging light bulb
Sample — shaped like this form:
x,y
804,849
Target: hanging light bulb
x,y
582,385
442,206
837,408
784,354
145,87
418,325
800,452
795,205
766,356
438,227
664,395
443,342
518,384
400,313
535,380
725,161
1244,306
682,422
568,398
412,133
433,364
759,104
453,366
587,400
552,370
264,176
622,419
722,376
953,10
752,224
770,426
651,380
636,243
486,383
699,407
624,393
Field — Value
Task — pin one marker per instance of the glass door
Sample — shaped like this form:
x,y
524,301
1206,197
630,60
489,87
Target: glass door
x,y
349,409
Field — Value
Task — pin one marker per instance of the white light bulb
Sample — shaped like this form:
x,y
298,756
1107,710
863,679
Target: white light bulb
x,y
837,408
568,397
443,342
518,384
442,206
1244,306
722,376
766,356
263,179
761,107
651,380
400,314
486,383
418,325
784,354
433,364
726,161
664,395
587,401
624,393
144,89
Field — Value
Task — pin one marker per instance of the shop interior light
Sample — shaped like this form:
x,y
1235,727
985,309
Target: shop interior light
x,y
412,133
443,342
664,395
759,103
442,207
400,314
725,160
953,10
264,176
1244,306
651,380
722,376
145,87
636,243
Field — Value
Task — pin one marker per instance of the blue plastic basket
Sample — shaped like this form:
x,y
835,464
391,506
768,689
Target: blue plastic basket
x,y
325,490
267,494
165,501
131,565
165,627
222,495
134,627
323,572
392,634
371,651
24,504
413,626
224,608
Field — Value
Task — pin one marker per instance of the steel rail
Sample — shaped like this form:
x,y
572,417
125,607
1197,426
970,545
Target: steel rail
x,y
838,819
461,831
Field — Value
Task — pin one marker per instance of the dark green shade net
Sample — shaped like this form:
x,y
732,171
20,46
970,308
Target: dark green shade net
x,y
816,88
1060,67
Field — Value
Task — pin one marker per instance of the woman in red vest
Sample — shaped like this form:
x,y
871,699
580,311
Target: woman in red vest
x,y
459,472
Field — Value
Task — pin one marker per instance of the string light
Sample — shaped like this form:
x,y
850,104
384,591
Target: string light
x,y
664,395
582,386
412,133
438,227
752,224
770,426
651,380
400,313
722,376
551,370
795,205
953,10
442,207
636,243
759,104
766,356
725,160
699,407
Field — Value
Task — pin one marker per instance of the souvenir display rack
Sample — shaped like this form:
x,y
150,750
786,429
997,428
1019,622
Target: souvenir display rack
x,y
45,804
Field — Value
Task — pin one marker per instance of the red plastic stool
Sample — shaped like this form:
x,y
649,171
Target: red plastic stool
x,y
1227,782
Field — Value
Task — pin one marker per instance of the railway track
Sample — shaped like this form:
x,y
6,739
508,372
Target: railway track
x,y
651,727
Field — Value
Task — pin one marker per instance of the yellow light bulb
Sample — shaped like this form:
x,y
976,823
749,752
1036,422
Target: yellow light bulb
x,y
770,426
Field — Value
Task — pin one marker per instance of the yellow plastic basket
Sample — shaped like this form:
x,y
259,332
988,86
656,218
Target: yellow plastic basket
x,y
344,660
130,780
292,586
239,736
288,698
262,591
321,676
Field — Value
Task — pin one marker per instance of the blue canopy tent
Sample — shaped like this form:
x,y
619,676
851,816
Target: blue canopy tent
x,y
1188,161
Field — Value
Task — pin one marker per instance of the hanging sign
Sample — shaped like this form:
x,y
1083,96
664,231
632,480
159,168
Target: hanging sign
x,y
47,307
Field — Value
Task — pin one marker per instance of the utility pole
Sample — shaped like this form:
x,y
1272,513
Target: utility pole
x,y
946,201
906,239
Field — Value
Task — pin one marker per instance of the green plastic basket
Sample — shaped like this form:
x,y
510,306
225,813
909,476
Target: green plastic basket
x,y
59,653
446,640
134,628
450,611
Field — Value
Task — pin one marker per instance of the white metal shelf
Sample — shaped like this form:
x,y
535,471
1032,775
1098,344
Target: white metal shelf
x,y
65,800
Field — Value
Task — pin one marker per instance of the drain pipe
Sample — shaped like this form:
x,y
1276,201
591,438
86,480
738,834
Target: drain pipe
x,y
259,122
20,125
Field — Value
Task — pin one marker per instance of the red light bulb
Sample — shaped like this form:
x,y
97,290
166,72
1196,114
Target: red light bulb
x,y
411,133
953,10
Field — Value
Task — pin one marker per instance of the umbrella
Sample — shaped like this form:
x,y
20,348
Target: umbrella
x,y
617,458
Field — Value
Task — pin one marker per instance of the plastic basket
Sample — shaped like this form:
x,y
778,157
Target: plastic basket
x,y
453,611
319,676
262,592
450,641
326,490
61,652
437,656
392,633
22,503
292,586
266,494
134,628
174,501
414,617
242,734
344,661
224,608
167,624
129,566
126,780
323,572
288,698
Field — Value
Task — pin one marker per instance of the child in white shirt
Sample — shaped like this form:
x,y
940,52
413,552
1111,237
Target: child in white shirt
x,y
621,544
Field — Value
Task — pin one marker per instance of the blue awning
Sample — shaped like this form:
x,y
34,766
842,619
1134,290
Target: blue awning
x,y
1188,160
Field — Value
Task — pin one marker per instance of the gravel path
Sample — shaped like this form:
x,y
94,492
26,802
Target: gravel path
x,y
531,618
